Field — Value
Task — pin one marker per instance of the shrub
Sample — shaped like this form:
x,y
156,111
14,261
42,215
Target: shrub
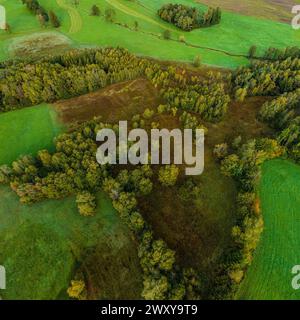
x,y
77,290
197,61
167,35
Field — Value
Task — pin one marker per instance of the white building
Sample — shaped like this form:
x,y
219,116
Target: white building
x,y
2,18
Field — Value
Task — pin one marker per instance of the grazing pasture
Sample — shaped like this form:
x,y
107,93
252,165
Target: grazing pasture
x,y
42,246
27,131
270,275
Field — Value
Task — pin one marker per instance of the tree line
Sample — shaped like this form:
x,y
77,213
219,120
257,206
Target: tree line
x,y
243,163
282,54
74,73
189,18
44,17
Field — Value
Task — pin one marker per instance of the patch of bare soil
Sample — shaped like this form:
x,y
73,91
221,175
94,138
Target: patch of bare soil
x,y
116,102
278,10
38,44
240,120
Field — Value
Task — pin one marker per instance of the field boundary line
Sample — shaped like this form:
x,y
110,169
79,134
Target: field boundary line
x,y
131,12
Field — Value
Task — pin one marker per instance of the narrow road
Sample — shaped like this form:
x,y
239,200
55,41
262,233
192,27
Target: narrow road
x,y
76,20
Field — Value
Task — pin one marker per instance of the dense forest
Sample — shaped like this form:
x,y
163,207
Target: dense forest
x,y
189,18
82,71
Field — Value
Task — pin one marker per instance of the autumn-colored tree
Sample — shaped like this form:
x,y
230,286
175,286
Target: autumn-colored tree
x,y
168,175
77,290
240,94
167,35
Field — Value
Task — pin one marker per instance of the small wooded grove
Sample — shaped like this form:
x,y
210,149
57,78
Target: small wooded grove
x,y
189,18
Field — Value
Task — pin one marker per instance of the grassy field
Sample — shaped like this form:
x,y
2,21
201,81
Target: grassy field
x,y
40,246
222,45
269,276
26,131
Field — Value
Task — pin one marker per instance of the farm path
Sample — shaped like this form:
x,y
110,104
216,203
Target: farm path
x,y
76,20
133,13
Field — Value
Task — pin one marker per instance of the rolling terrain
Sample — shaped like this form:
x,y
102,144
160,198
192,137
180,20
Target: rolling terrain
x,y
47,244
224,45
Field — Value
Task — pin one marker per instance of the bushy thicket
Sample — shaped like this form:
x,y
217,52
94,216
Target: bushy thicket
x,y
189,18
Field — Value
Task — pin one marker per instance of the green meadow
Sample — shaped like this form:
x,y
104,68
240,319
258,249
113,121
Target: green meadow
x,y
26,131
41,244
270,275
223,45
